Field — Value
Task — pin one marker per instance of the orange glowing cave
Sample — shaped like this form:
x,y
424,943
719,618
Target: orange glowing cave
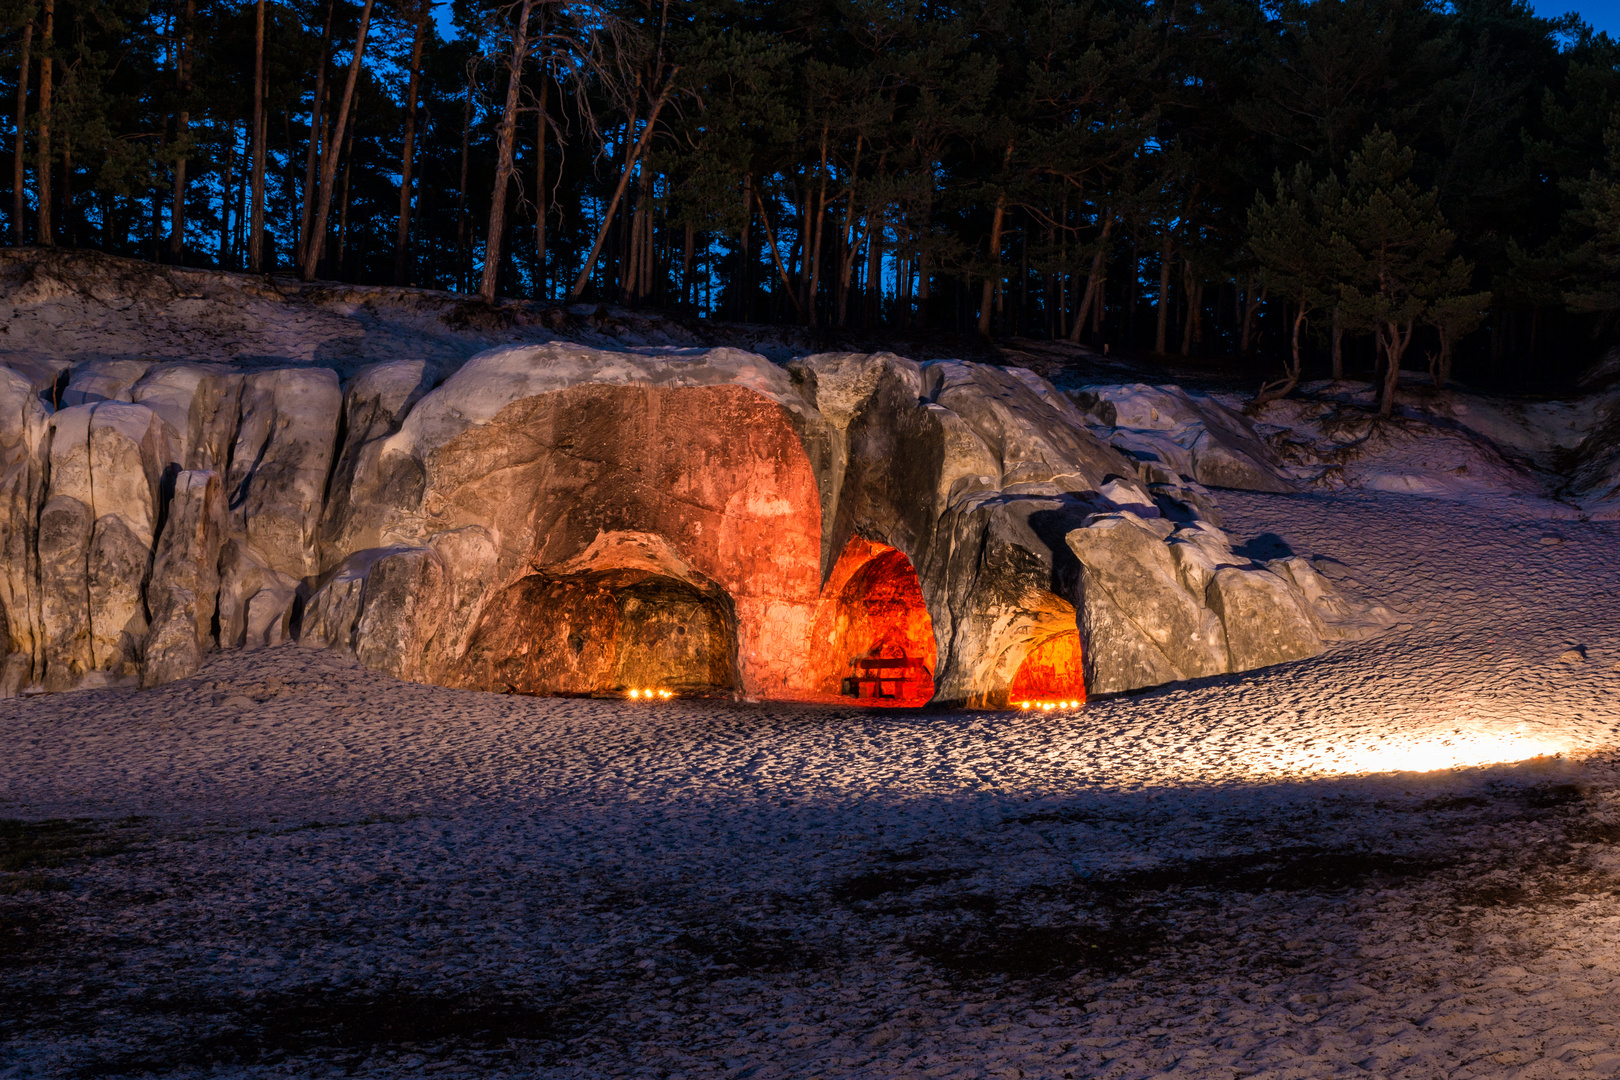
x,y
872,638
1051,672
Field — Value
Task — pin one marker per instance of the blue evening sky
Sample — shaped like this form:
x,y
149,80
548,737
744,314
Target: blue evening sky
x,y
1599,14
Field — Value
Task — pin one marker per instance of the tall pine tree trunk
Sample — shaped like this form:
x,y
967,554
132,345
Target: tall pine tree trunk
x,y
1193,291
402,235
503,157
990,282
255,239
329,153
463,247
343,212
633,156
19,179
541,123
227,201
1394,340
1092,280
182,128
1338,345
317,132
42,173
1162,331
66,213
686,265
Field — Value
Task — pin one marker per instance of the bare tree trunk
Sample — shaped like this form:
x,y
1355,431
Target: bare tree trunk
x,y
874,275
42,174
463,252
813,256
649,259
343,213
1395,342
329,152
402,236
66,213
1338,345
541,124
227,201
1092,280
255,238
182,128
770,237
990,283
686,265
993,279
618,193
1190,287
19,179
744,283
239,238
1162,332
1099,300
317,132
1285,386
503,157
849,239
630,282
923,287
1251,307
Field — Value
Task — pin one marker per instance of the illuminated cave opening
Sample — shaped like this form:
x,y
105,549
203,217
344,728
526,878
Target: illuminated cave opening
x,y
605,633
872,638
1051,672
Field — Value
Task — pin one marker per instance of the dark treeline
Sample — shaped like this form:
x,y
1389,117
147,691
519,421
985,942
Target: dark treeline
x,y
1328,185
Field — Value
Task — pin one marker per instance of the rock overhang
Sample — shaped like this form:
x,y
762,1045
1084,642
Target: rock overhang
x,y
438,499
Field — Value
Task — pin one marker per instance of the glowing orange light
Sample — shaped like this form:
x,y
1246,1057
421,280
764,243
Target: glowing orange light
x,y
1051,668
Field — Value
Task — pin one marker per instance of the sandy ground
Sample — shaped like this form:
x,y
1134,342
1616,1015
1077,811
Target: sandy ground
x,y
288,866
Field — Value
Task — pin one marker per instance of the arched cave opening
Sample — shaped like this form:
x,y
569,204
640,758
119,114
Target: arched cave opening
x,y
604,633
873,638
1051,671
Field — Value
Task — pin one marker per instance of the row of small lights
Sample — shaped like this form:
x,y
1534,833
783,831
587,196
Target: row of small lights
x,y
1050,705
650,694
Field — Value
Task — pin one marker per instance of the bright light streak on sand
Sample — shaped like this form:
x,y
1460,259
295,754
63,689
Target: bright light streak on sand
x,y
1451,748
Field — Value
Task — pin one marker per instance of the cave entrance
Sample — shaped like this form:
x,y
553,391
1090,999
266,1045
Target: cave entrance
x,y
605,633
872,638
1051,672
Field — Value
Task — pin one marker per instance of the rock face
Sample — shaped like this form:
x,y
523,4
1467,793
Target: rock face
x,y
571,520
1177,434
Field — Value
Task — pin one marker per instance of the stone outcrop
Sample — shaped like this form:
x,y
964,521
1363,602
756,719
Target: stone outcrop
x,y
563,519
1177,434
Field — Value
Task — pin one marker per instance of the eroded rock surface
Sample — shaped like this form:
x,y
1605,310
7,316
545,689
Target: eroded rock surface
x,y
560,518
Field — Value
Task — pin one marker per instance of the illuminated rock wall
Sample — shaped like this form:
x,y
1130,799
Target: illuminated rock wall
x,y
562,519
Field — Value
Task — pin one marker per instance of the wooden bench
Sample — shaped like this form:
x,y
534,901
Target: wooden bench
x,y
899,672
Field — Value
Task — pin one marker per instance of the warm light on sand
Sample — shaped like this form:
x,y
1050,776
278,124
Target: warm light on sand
x,y
1457,748
1048,706
648,695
